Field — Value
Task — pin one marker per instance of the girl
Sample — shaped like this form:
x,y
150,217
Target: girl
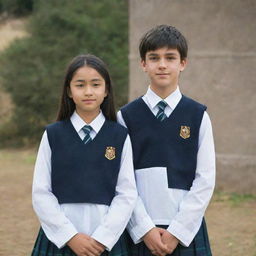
x,y
83,189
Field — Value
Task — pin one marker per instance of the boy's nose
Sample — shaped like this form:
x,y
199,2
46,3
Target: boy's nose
x,y
162,63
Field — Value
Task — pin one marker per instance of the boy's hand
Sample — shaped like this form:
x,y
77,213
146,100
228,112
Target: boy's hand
x,y
153,241
169,240
84,245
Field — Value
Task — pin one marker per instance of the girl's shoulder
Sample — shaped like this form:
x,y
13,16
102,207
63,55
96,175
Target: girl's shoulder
x,y
115,125
56,125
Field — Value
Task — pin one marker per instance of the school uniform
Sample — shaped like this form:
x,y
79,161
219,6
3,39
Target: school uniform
x,y
83,188
174,163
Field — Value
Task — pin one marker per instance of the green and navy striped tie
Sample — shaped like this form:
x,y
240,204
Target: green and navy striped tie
x,y
87,138
160,114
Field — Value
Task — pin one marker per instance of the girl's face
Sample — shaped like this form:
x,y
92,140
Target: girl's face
x,y
88,90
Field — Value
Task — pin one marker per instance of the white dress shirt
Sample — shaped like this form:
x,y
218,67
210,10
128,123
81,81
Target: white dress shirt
x,y
157,204
61,222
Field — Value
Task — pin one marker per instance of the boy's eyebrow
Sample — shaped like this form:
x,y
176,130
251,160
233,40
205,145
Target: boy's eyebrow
x,y
171,53
153,54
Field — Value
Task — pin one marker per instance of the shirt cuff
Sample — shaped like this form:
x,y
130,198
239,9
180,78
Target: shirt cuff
x,y
105,237
181,233
138,231
62,236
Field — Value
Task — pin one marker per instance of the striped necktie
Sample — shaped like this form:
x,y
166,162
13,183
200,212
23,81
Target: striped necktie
x,y
87,138
160,114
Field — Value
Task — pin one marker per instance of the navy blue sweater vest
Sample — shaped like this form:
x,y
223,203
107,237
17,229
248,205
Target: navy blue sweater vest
x,y
85,173
160,144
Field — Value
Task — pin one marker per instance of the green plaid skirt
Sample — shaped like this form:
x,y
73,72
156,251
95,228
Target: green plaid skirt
x,y
200,246
44,247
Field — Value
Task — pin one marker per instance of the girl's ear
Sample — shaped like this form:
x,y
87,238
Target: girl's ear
x,y
106,93
69,92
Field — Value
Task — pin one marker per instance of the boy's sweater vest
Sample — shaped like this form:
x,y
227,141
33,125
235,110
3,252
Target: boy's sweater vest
x,y
85,173
172,143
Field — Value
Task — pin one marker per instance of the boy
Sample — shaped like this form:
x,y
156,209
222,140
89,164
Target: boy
x,y
174,156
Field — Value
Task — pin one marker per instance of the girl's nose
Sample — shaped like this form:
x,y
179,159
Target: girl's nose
x,y
88,90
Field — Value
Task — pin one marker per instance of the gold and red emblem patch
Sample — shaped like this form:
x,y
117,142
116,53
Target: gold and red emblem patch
x,y
184,132
110,153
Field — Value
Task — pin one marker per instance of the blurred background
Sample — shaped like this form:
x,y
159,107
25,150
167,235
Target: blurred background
x,y
38,38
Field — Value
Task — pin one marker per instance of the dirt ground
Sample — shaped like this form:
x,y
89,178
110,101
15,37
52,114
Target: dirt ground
x,y
231,218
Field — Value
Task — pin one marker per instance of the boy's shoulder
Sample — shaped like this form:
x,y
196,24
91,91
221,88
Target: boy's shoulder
x,y
192,103
132,105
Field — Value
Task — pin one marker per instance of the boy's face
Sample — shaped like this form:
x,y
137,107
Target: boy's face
x,y
163,67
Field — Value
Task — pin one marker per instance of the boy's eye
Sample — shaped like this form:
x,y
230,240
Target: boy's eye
x,y
153,58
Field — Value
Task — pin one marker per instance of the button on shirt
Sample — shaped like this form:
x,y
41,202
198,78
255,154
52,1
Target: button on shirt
x,y
61,222
182,211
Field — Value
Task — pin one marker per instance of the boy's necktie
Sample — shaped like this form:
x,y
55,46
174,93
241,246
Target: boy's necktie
x,y
87,129
160,114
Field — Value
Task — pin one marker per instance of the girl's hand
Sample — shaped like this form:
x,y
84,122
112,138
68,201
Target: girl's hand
x,y
153,241
84,245
170,240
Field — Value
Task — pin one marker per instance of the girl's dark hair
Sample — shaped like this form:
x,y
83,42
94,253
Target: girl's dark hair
x,y
163,36
67,105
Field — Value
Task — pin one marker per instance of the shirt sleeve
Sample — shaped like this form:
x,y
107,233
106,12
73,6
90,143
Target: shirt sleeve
x,y
188,220
55,224
140,222
120,119
123,203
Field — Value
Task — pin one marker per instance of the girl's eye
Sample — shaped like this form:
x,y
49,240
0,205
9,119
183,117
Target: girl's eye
x,y
95,85
79,85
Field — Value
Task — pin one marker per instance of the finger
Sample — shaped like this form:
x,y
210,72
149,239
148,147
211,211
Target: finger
x,y
97,246
161,230
91,251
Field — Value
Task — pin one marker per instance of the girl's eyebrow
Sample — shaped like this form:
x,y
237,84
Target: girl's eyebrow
x,y
93,80
96,79
80,80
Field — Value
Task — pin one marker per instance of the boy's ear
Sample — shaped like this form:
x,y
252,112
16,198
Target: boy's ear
x,y
143,65
183,64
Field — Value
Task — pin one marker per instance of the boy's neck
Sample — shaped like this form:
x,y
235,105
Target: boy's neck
x,y
163,92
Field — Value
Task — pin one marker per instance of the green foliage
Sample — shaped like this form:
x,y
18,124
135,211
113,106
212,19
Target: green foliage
x,y
33,68
16,7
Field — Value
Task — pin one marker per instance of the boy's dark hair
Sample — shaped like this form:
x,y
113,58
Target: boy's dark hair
x,y
67,105
163,36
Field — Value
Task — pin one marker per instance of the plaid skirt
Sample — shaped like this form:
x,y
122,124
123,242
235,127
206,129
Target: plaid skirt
x,y
200,245
44,247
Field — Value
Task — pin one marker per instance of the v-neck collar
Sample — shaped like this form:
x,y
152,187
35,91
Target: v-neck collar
x,y
77,137
151,114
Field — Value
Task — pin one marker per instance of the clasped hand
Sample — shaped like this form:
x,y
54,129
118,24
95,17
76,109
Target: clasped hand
x,y
160,242
84,245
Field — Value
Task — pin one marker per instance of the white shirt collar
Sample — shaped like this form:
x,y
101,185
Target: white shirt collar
x,y
172,100
79,123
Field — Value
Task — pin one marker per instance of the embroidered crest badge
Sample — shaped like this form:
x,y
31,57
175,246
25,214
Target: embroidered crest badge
x,y
184,132
110,153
